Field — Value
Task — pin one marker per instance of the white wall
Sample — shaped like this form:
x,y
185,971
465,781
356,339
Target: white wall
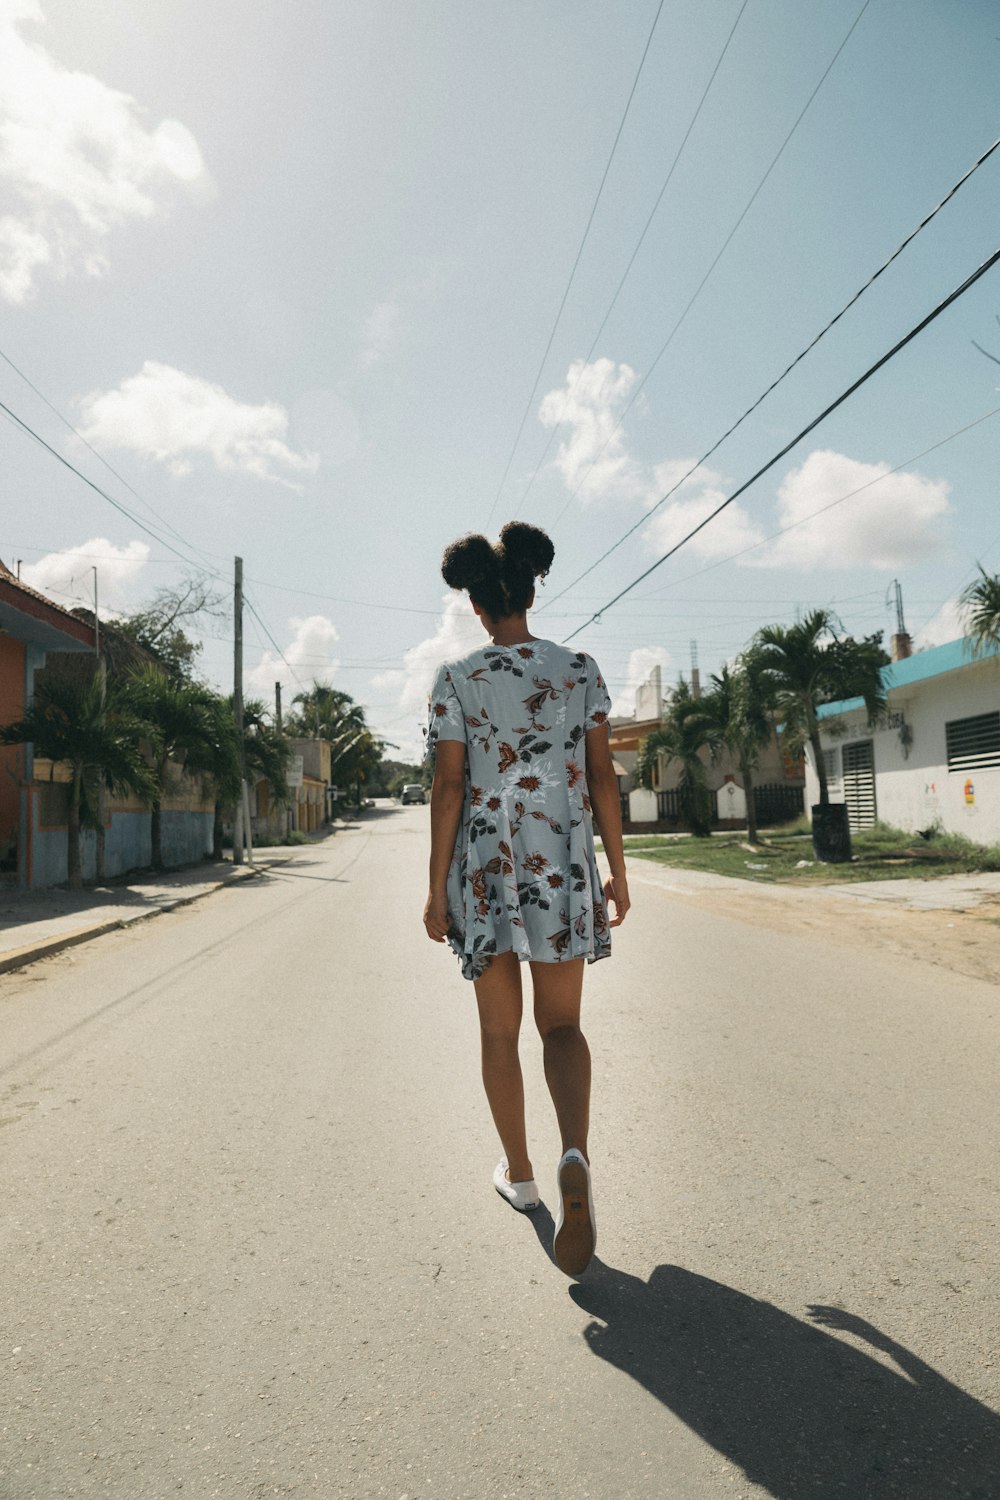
x,y
915,789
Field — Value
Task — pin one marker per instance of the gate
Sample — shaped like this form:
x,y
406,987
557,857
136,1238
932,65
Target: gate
x,y
775,802
859,784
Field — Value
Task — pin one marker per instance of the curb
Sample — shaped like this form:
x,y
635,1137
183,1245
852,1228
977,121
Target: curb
x,y
17,958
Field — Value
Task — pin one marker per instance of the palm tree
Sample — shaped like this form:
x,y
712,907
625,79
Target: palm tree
x,y
686,733
807,664
181,724
737,718
980,605
95,732
324,710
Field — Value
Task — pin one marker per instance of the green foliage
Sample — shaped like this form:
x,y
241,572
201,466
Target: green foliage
x,y
685,734
804,665
94,730
296,836
980,605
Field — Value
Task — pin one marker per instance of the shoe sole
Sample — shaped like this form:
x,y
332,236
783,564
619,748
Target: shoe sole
x,y
573,1246
528,1208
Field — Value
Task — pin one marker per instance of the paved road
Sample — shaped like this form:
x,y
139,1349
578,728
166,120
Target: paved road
x,y
250,1246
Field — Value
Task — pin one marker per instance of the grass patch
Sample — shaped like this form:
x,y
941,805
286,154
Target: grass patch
x,y
786,855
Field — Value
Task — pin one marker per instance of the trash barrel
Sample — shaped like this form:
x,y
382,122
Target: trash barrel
x,y
831,833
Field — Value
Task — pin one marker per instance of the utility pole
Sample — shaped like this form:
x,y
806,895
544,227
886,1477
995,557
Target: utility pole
x,y
102,677
277,706
238,816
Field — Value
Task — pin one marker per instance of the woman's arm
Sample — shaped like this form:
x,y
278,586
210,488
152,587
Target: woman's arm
x,y
447,797
602,784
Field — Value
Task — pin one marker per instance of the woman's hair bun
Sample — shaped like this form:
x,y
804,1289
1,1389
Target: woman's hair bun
x,y
527,545
469,561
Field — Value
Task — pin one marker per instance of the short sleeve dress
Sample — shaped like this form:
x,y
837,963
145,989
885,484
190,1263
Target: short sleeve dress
x,y
523,876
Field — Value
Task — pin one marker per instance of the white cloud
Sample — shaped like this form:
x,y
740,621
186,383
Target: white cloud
x,y
68,576
641,662
164,414
698,496
593,459
379,332
308,657
458,631
946,625
893,520
77,159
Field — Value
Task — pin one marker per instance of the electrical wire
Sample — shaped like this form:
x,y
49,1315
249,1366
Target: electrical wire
x,y
725,246
884,359
99,456
250,606
638,247
122,509
787,371
579,253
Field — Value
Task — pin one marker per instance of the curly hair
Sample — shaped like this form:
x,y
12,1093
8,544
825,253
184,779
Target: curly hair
x,y
499,578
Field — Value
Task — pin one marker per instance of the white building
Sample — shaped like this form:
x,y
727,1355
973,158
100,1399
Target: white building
x,y
934,759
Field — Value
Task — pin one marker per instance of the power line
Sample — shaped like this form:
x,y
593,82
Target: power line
x,y
579,253
870,484
638,245
725,245
264,627
99,456
122,510
797,360
936,312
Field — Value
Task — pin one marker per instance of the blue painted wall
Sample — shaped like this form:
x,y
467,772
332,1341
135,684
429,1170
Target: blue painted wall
x,y
187,838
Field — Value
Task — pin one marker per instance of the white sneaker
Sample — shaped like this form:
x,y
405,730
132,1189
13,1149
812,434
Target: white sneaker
x,y
520,1195
576,1225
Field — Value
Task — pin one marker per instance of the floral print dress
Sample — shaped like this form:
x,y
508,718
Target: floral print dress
x,y
523,877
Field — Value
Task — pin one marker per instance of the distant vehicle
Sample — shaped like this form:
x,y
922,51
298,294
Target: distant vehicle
x,y
412,792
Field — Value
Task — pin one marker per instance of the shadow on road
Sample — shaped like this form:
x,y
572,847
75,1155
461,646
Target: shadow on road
x,y
805,1415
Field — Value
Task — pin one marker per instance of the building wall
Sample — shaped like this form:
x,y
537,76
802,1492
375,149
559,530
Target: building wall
x,y
186,834
12,669
913,786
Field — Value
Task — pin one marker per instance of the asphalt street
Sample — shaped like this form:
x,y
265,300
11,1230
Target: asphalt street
x,y
250,1245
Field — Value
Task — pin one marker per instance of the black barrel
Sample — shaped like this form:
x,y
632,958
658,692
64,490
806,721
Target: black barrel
x,y
831,833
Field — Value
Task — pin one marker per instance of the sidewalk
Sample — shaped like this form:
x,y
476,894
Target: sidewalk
x,y
934,893
35,924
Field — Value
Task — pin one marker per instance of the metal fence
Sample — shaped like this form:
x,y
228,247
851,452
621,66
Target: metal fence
x,y
778,803
668,806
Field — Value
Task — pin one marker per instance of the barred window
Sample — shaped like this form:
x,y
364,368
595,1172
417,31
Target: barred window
x,y
973,744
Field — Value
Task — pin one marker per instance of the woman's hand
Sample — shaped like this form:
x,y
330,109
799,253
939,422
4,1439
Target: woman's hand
x,y
436,919
616,894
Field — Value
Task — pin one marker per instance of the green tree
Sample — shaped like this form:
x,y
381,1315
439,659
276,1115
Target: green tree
x,y
181,724
980,606
322,712
737,718
807,664
685,735
96,735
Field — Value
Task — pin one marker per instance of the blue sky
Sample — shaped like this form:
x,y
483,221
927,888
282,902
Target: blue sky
x,y
291,269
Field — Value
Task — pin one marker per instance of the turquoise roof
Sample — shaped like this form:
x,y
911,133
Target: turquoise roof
x,y
916,668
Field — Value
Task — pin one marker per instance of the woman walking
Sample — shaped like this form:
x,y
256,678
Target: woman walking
x,y
522,763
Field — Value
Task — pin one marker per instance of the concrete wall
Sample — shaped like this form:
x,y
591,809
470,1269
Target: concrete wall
x,y
913,786
187,838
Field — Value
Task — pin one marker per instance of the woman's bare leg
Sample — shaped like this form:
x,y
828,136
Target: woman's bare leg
x,y
498,994
558,992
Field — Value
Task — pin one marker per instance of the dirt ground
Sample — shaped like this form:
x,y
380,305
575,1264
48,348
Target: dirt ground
x,y
963,942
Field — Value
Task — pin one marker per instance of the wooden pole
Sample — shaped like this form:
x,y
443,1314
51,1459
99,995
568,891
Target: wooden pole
x,y
241,811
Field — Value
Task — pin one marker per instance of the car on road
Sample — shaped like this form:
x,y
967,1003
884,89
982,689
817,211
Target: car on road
x,y
412,792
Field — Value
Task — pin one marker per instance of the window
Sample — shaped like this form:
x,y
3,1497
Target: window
x,y
973,744
831,764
